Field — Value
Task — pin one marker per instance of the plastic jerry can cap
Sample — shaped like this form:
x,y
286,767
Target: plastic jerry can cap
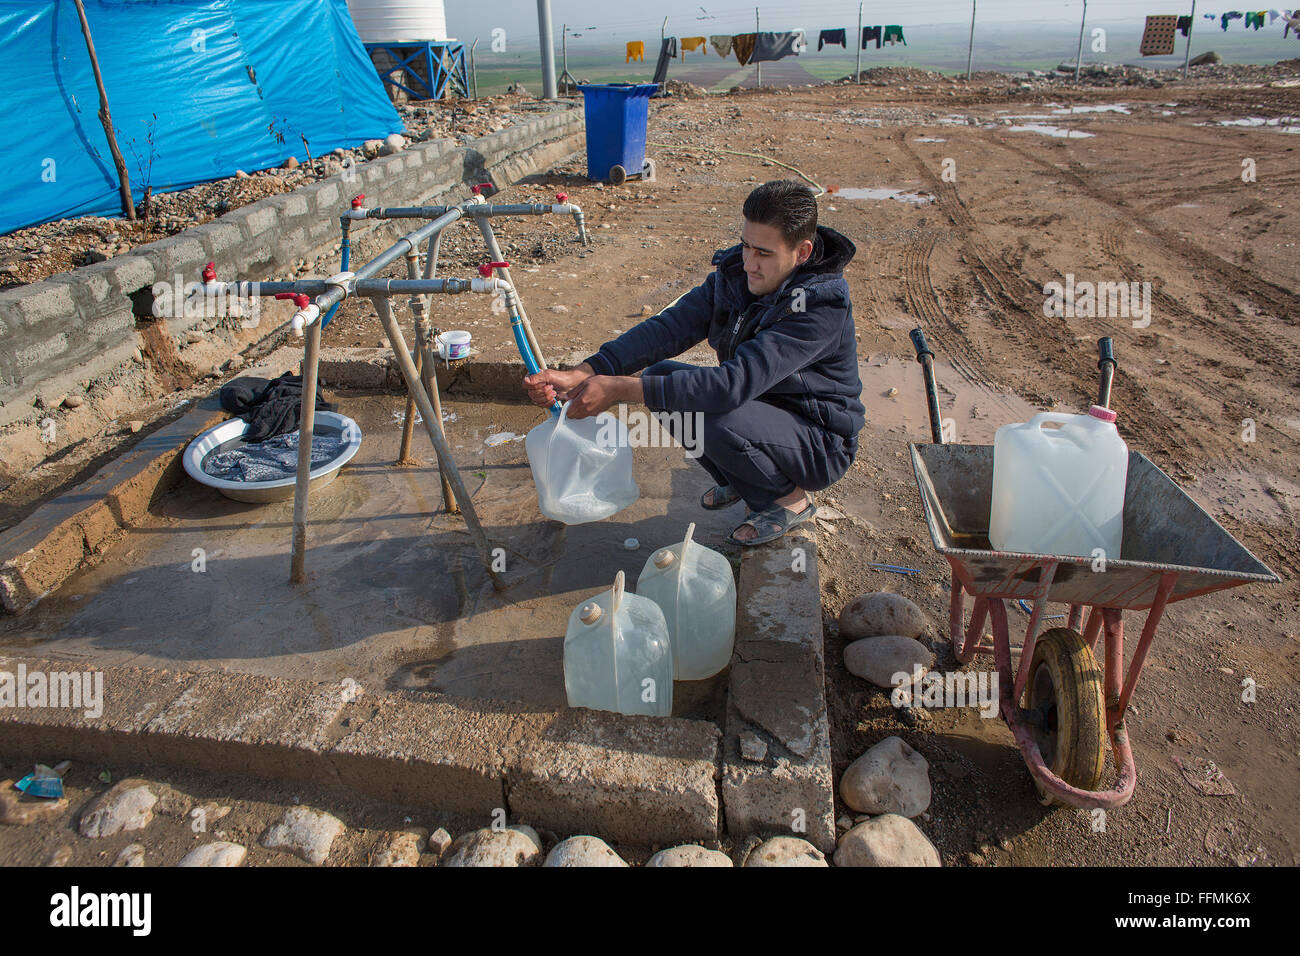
x,y
1105,414
590,613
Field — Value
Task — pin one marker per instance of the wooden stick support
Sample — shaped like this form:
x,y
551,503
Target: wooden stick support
x,y
306,427
432,421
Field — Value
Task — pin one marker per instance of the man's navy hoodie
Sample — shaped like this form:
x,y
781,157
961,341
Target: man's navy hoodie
x,y
794,347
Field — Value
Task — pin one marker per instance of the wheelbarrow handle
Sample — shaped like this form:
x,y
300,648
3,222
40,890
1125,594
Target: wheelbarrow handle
x,y
1107,364
926,357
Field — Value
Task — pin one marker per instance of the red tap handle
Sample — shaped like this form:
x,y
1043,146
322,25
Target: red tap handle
x,y
299,299
478,188
356,201
485,270
210,272
561,197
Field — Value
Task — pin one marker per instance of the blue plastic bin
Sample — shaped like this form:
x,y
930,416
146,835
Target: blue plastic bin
x,y
616,115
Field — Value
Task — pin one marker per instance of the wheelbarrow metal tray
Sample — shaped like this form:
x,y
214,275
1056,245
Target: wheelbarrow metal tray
x,y
1165,532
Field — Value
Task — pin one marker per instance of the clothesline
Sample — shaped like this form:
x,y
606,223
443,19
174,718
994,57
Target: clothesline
x,y
762,47
1158,37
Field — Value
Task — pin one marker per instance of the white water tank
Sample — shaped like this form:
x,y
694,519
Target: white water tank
x,y
399,21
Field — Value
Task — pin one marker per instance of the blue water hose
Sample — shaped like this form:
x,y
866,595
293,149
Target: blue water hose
x,y
347,251
526,353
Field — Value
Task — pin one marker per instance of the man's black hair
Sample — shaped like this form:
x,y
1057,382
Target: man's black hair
x,y
788,205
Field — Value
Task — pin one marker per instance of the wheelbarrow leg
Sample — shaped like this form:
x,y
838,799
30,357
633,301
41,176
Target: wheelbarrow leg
x,y
1092,630
1163,590
965,650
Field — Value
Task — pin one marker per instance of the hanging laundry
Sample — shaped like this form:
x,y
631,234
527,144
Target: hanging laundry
x,y
894,34
743,44
775,46
1185,25
1292,24
833,37
667,50
1223,20
635,51
1273,15
693,43
721,43
1158,38
1255,20
871,33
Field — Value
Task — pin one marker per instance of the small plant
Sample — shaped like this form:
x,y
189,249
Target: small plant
x,y
144,166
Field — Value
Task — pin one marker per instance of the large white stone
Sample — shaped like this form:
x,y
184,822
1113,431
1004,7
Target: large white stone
x,y
127,806
304,832
786,851
878,659
689,855
217,853
888,840
880,612
583,851
891,777
488,847
399,849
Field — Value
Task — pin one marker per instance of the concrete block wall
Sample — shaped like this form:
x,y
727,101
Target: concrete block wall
x,y
80,325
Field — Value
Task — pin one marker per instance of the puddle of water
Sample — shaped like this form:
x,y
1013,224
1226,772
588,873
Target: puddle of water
x,y
1112,108
1054,131
929,139
500,438
855,192
1283,124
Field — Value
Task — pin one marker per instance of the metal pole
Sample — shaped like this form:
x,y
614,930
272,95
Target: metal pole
x,y
970,49
473,67
1187,56
306,430
548,49
757,66
1078,57
445,461
564,46
857,70
494,253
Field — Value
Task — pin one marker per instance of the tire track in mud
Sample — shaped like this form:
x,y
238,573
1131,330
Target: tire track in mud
x,y
1024,325
918,287
1265,295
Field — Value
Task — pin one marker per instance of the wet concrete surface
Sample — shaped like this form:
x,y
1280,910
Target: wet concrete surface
x,y
396,597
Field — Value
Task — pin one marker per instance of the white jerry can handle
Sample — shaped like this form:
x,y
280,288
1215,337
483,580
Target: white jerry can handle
x,y
1043,417
617,591
686,542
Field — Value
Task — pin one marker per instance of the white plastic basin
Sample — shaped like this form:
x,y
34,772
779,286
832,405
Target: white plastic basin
x,y
327,423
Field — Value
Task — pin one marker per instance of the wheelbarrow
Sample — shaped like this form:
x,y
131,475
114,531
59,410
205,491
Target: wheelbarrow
x,y
1059,703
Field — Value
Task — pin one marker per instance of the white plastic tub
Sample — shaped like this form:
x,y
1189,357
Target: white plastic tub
x,y
227,433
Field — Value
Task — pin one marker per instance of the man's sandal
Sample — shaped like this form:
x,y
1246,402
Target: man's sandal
x,y
724,496
772,523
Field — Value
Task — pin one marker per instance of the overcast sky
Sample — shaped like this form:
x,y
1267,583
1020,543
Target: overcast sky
x,y
467,20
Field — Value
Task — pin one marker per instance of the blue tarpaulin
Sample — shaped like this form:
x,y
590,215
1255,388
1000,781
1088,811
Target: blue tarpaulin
x,y
197,89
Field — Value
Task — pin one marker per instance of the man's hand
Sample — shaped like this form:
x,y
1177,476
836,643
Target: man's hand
x,y
599,392
546,386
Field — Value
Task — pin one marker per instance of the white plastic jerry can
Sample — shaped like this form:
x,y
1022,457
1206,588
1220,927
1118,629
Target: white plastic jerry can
x,y
582,469
696,589
1058,485
617,655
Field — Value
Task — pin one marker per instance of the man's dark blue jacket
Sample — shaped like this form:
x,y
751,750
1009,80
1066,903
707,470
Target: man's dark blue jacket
x,y
794,348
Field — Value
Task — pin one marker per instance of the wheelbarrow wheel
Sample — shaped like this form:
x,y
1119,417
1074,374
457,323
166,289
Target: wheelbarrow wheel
x,y
617,175
1064,692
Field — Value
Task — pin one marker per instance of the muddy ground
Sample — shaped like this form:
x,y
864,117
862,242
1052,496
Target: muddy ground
x,y
1156,194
